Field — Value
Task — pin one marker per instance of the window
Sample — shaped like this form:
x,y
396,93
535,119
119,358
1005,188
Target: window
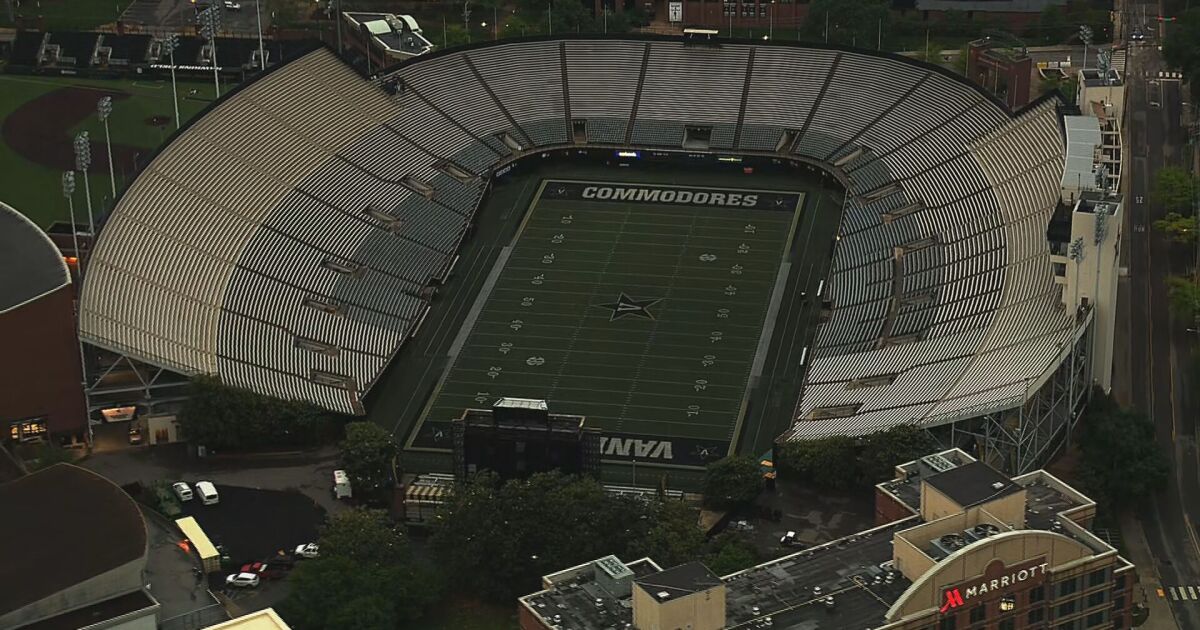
x,y
27,430
1095,619
947,623
1066,608
1097,598
1068,586
1060,269
1036,615
1120,582
1119,603
978,613
1007,624
1037,594
1096,578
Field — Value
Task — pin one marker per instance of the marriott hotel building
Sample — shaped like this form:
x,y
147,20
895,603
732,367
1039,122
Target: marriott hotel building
x,y
957,545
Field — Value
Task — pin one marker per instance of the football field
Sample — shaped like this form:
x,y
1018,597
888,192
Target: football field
x,y
641,307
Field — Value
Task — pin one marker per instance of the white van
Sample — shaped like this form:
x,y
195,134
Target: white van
x,y
341,485
207,492
182,490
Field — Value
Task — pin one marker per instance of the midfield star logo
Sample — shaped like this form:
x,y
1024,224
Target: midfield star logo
x,y
626,305
958,596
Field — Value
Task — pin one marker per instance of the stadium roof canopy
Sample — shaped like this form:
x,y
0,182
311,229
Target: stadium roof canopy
x,y
30,264
285,240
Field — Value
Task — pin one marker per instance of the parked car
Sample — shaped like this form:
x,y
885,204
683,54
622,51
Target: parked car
x,y
308,551
789,540
135,434
182,491
264,570
232,6
243,580
208,493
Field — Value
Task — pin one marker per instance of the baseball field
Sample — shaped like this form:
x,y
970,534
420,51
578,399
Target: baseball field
x,y
41,116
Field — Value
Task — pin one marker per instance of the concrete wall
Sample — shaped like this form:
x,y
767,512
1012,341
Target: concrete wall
x,y
1094,279
119,581
934,504
704,610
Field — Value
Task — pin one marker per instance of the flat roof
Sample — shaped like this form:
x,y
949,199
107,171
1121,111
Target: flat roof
x,y
30,264
265,619
98,613
973,483
685,579
68,518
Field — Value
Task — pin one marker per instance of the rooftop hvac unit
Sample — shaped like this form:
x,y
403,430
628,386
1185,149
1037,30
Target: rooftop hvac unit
x,y
950,543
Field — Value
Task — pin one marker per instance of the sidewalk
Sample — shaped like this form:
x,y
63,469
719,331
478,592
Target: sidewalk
x,y
1146,591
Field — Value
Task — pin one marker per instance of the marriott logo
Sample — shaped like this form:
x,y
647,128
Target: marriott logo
x,y
958,596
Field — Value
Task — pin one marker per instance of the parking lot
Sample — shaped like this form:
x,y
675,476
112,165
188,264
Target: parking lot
x,y
817,517
254,524
182,13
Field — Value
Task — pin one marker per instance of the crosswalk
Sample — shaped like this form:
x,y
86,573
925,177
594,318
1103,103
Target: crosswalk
x,y
1180,593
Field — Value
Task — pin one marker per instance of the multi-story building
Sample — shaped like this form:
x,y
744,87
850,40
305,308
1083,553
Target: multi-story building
x,y
958,545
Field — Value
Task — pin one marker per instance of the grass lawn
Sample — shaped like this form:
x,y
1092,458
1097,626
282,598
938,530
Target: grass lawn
x,y
36,190
644,317
79,15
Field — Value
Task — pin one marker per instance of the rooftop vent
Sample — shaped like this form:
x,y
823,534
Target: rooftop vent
x,y
422,188
318,347
342,266
662,595
872,381
324,305
455,171
999,485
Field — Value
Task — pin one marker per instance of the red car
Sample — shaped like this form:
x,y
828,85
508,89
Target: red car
x,y
268,572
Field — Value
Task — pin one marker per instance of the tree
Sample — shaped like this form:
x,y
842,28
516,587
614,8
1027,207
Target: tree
x,y
829,462
1181,229
365,577
674,536
883,450
1185,298
1181,48
367,454
729,554
1174,188
502,537
1121,461
732,481
222,417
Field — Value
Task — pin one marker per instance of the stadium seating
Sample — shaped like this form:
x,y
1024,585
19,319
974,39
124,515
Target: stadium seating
x,y
306,215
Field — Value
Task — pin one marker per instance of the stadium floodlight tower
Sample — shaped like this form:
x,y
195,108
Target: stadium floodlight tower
x,y
1085,34
171,43
68,190
104,109
83,161
210,24
262,60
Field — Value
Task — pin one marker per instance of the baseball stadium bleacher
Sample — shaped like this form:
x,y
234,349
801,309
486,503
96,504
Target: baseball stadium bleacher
x,y
284,241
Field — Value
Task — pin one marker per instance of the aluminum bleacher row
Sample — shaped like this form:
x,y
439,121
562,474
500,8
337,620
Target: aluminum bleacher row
x,y
286,240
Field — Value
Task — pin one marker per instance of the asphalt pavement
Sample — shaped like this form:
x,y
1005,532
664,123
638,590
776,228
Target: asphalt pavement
x,y
1157,345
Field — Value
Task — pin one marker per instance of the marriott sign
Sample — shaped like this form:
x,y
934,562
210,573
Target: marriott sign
x,y
989,582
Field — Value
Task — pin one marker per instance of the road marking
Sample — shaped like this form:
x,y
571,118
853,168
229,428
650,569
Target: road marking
x,y
1192,592
1174,595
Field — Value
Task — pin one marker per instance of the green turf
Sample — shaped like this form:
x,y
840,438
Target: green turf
x,y
36,190
78,15
545,331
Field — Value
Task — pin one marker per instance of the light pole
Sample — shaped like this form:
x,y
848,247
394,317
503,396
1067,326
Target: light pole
x,y
104,109
83,160
1085,34
171,43
210,23
68,190
262,59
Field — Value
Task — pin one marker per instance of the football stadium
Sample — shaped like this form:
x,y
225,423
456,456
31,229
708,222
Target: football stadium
x,y
700,247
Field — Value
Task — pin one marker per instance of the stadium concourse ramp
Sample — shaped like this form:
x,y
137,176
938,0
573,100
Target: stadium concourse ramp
x,y
287,240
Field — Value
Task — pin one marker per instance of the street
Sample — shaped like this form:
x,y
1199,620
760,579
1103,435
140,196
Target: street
x,y
1158,346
